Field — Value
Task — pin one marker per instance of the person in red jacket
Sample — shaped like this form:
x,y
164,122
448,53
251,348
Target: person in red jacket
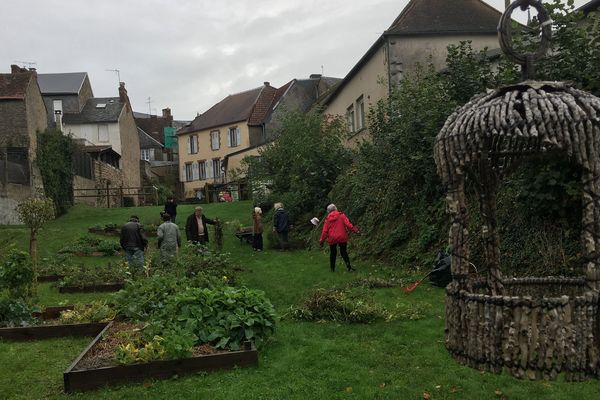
x,y
335,231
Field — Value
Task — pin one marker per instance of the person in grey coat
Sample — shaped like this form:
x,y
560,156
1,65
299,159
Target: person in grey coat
x,y
169,239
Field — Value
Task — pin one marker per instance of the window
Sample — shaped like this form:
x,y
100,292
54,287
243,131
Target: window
x,y
103,133
350,118
233,138
215,140
202,170
57,105
189,172
360,113
216,166
192,144
147,154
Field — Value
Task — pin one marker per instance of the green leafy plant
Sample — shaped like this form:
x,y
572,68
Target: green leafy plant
x,y
56,265
16,274
86,275
35,212
339,306
87,244
15,312
96,311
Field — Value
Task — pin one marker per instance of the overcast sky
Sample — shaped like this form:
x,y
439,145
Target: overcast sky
x,y
189,54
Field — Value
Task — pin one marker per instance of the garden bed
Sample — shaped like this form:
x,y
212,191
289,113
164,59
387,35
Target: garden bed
x,y
107,287
50,278
93,369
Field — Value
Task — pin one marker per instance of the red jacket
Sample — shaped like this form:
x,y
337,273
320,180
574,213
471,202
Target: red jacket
x,y
335,229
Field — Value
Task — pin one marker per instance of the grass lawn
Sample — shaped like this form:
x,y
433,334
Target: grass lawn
x,y
400,359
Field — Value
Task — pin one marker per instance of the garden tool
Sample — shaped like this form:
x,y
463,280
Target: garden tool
x,y
413,286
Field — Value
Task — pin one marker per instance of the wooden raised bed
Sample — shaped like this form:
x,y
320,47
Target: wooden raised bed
x,y
50,278
51,331
97,254
105,232
52,312
108,287
88,379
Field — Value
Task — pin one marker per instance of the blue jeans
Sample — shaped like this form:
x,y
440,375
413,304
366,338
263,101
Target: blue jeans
x,y
135,259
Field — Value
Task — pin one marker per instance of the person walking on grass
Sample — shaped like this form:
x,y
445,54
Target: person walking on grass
x,y
281,225
335,232
134,243
195,227
171,208
257,229
169,239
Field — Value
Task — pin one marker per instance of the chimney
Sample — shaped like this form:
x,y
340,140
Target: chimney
x,y
166,113
15,69
315,76
123,98
267,83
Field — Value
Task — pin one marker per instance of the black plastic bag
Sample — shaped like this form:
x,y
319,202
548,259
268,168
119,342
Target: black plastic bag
x,y
441,275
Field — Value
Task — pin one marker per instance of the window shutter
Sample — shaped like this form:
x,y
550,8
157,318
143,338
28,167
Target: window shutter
x,y
182,177
209,169
238,136
219,140
189,145
229,138
196,143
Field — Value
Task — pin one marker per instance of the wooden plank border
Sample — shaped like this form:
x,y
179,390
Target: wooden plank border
x,y
51,331
108,287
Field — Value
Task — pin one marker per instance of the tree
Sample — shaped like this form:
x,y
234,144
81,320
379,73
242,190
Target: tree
x,y
301,165
35,212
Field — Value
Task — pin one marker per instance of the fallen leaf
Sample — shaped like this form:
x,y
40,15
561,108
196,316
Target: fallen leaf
x,y
454,389
426,396
438,387
498,392
349,389
382,385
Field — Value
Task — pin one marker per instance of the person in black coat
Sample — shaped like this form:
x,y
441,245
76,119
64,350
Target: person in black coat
x,y
195,227
281,225
171,208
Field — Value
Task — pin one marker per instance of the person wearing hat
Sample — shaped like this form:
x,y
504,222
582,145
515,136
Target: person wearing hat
x,y
257,229
169,239
134,243
195,227
335,231
171,208
281,225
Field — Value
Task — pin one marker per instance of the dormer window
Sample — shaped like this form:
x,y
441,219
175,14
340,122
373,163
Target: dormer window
x,y
101,105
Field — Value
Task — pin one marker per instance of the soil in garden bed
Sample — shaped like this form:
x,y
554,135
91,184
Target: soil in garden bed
x,y
102,354
108,287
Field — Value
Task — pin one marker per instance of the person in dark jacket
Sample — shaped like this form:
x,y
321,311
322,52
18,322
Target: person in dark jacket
x,y
171,208
195,227
335,231
281,225
134,243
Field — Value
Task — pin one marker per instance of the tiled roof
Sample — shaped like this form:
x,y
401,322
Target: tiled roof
x,y
589,7
263,105
14,86
91,113
153,126
63,83
444,16
234,108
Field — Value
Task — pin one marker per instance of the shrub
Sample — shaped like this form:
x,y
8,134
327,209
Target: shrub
x,y
16,274
87,244
16,313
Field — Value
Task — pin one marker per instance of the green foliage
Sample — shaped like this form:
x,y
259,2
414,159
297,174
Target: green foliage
x,y
96,311
56,265
87,244
87,275
55,153
16,274
15,312
225,316
35,212
339,306
302,164
177,343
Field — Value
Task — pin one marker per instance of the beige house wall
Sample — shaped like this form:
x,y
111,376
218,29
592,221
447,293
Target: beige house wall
x,y
205,153
371,82
408,51
89,132
130,149
234,163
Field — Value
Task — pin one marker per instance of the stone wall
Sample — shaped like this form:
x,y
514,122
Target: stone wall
x,y
85,187
130,148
